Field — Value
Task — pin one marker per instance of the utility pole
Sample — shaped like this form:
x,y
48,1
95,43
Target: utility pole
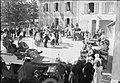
x,y
116,51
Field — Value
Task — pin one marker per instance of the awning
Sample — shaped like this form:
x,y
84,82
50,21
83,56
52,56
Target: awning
x,y
111,24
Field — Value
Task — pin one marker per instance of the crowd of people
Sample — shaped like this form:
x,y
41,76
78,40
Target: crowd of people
x,y
47,35
16,31
91,63
8,43
98,40
83,71
41,36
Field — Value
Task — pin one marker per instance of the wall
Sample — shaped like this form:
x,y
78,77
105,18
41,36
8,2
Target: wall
x,y
77,13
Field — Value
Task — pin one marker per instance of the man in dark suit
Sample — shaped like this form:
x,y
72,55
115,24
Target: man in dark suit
x,y
46,40
77,71
88,70
80,66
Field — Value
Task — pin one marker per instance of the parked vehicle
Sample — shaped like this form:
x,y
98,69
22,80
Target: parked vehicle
x,y
39,69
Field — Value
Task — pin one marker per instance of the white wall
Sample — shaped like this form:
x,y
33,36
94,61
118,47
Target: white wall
x,y
84,25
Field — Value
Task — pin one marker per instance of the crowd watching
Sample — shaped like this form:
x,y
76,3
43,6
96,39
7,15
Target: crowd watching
x,y
92,61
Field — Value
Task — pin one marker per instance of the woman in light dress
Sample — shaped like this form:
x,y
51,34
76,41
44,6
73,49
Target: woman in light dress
x,y
98,70
37,38
52,38
60,38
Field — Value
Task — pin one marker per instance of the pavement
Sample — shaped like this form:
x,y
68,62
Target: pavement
x,y
68,50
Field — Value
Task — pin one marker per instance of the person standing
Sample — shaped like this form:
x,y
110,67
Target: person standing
x,y
60,38
75,73
88,70
18,31
46,40
13,33
7,40
52,39
57,38
24,32
8,43
37,38
21,33
80,66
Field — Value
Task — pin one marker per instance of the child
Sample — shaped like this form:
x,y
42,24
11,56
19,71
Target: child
x,y
98,72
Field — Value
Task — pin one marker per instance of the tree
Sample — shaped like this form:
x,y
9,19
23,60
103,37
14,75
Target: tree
x,y
16,11
33,11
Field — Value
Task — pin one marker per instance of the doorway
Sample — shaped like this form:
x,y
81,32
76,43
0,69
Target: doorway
x,y
93,27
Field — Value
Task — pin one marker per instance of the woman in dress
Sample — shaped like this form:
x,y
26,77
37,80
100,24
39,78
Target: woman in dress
x,y
37,38
52,37
98,72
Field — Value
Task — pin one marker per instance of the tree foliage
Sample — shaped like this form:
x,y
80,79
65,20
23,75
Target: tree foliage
x,y
19,11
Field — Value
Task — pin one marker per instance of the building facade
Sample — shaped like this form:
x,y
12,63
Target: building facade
x,y
89,14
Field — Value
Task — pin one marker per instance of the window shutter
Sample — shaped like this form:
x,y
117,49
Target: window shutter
x,y
59,7
74,8
107,7
85,8
65,21
55,6
111,7
49,7
103,8
71,7
52,8
71,21
67,6
96,8
44,8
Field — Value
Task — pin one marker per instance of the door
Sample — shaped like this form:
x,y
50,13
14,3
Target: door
x,y
93,27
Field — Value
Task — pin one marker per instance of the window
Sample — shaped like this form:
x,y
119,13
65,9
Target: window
x,y
67,6
56,6
91,8
111,7
108,8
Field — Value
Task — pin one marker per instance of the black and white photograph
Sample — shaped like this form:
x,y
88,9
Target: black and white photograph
x,y
60,41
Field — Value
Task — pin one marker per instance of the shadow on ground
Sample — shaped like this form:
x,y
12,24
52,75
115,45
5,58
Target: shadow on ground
x,y
62,46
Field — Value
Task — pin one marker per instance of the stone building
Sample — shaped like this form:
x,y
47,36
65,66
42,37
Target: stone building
x,y
89,14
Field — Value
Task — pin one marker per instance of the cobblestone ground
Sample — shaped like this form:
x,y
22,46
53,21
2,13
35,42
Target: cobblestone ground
x,y
68,50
